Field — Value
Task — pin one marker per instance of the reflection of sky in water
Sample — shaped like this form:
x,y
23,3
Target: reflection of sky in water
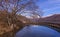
x,y
37,31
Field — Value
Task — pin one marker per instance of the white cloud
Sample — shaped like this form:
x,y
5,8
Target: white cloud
x,y
47,15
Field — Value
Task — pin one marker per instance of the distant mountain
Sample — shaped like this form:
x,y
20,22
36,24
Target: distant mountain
x,y
54,18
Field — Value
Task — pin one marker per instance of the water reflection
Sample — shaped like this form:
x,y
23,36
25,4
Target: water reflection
x,y
37,31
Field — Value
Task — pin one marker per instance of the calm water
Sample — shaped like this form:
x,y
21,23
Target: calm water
x,y
37,31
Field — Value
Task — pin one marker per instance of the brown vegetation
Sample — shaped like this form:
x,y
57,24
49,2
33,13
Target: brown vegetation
x,y
8,29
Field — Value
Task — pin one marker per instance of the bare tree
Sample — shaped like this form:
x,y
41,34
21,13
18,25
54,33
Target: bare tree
x,y
13,7
16,6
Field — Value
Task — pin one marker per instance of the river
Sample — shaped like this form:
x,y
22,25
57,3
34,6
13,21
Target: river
x,y
37,31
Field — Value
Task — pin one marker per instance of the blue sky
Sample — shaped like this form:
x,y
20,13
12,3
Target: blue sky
x,y
49,7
